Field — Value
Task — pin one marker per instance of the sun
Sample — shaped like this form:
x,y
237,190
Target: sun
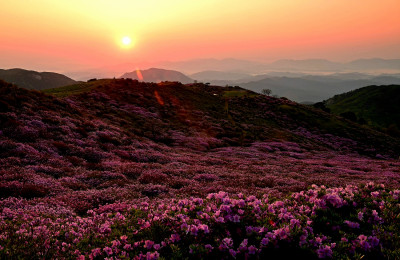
x,y
126,42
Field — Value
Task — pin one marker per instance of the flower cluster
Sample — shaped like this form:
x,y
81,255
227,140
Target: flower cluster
x,y
306,224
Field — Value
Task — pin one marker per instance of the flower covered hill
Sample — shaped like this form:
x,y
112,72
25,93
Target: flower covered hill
x,y
118,168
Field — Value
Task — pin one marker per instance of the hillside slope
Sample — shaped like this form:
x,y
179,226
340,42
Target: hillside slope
x,y
135,139
199,109
379,106
35,80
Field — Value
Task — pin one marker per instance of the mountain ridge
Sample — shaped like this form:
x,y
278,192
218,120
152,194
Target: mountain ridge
x,y
31,79
157,75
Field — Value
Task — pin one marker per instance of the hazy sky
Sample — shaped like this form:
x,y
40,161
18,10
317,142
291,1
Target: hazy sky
x,y
62,35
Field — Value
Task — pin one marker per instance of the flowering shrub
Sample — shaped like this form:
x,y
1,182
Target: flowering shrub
x,y
348,222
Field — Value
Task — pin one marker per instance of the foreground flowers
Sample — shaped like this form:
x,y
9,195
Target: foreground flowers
x,y
321,222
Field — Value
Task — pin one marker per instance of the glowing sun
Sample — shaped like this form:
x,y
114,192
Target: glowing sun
x,y
126,42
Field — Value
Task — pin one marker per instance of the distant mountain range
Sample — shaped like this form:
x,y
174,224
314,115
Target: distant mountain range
x,y
158,75
307,65
299,87
377,106
238,66
35,80
213,75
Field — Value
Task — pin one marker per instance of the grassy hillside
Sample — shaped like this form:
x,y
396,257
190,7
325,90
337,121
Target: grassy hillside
x,y
234,115
379,106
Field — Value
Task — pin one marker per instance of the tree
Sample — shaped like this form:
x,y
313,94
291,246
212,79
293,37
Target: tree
x,y
266,91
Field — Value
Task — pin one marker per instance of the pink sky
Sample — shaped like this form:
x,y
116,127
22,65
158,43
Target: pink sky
x,y
67,35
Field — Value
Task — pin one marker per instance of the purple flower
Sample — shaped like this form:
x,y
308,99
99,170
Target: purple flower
x,y
243,245
236,218
208,247
373,240
252,250
193,230
148,244
362,239
352,224
204,227
324,251
264,241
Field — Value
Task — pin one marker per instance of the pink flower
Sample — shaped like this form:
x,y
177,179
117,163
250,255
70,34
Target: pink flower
x,y
375,194
108,250
124,239
228,241
128,247
363,242
96,252
152,256
157,246
174,238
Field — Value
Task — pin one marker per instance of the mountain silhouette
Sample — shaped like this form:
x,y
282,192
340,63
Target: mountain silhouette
x,y
210,75
30,79
157,75
305,65
315,88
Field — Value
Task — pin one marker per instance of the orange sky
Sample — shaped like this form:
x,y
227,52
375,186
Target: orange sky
x,y
65,35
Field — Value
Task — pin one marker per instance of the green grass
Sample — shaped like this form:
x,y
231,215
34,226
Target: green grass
x,y
238,93
72,89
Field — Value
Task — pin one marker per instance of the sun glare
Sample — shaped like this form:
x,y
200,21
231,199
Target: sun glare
x,y
126,42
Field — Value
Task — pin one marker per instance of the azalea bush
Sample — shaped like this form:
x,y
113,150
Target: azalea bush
x,y
341,223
